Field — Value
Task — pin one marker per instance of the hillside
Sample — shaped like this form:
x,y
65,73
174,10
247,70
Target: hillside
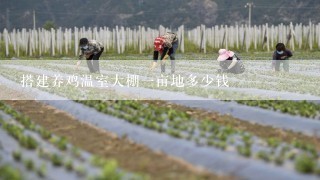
x,y
153,12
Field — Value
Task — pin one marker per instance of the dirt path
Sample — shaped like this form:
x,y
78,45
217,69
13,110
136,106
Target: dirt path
x,y
130,156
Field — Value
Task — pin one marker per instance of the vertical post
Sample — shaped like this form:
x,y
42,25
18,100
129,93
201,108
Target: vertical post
x,y
6,39
267,37
34,19
182,39
249,6
7,19
76,40
53,36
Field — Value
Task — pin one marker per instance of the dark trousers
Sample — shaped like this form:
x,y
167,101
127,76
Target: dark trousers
x,y
285,65
93,62
171,53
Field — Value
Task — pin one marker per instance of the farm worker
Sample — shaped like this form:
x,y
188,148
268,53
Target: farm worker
x,y
92,51
165,45
229,62
281,55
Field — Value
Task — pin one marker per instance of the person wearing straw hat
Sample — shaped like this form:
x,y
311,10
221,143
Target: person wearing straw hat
x,y
281,56
229,62
165,45
91,50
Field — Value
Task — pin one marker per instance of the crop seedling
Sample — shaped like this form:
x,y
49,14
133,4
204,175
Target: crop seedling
x,y
44,134
222,145
109,171
80,170
43,154
42,171
246,138
272,142
69,165
291,155
263,155
75,152
56,160
98,161
305,164
210,143
244,150
29,164
232,141
16,155
279,160
62,144
283,150
28,142
7,172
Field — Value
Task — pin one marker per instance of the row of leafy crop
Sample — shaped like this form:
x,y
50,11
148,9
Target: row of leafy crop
x,y
108,169
302,108
205,132
8,172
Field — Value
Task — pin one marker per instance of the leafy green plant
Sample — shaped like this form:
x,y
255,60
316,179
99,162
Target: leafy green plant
x,y
9,173
305,164
272,142
48,25
44,133
279,160
69,165
16,155
29,164
109,171
244,150
222,145
303,108
42,171
56,160
97,161
174,133
80,170
62,144
76,152
247,139
44,154
263,155
291,155
28,142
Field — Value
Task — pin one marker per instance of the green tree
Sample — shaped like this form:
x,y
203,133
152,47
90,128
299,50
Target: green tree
x,y
48,25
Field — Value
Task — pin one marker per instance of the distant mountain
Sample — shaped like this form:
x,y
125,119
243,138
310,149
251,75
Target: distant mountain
x,y
151,13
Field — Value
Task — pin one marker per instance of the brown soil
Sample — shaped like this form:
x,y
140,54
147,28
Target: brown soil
x,y
256,129
130,156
